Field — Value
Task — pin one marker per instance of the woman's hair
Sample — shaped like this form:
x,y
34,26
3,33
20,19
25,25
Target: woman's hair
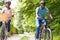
x,y
9,2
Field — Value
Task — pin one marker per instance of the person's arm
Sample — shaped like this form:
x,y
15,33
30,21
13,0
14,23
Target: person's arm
x,y
50,15
37,14
12,13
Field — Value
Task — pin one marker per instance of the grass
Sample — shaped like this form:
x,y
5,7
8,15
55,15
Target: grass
x,y
56,38
24,38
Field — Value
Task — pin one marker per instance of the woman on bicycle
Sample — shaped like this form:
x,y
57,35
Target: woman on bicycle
x,y
8,10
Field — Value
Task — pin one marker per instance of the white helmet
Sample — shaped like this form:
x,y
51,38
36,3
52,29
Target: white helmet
x,y
42,2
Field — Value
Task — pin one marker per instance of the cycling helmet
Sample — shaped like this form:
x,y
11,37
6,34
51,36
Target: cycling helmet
x,y
42,2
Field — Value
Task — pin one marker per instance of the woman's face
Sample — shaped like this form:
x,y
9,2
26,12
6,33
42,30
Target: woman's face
x,y
7,5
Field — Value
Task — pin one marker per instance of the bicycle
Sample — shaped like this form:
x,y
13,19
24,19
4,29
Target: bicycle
x,y
45,31
4,18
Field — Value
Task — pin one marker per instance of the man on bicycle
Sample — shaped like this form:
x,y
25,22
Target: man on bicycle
x,y
9,11
40,14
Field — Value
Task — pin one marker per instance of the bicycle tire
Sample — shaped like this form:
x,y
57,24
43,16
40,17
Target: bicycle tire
x,y
44,33
3,33
50,36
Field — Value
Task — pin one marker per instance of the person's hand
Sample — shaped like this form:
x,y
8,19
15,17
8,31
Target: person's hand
x,y
12,15
40,18
52,18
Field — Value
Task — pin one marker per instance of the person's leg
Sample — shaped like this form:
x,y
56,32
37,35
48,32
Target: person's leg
x,y
37,28
8,25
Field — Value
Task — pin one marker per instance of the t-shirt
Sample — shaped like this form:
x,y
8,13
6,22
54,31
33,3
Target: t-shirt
x,y
42,12
8,11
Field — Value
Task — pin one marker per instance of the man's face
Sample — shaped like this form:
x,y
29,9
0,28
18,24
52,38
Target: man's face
x,y
7,5
42,5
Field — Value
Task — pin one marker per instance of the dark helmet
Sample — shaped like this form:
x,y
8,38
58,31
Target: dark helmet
x,y
42,2
9,2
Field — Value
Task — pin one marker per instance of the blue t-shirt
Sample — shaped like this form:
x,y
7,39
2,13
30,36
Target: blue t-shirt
x,y
42,12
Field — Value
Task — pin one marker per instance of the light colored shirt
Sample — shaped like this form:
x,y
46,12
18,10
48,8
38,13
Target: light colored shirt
x,y
42,12
8,11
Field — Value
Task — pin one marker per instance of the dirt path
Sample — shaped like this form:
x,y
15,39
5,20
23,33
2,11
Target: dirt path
x,y
31,38
16,37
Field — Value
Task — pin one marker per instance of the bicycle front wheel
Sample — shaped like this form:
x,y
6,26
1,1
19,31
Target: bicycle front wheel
x,y
48,34
3,32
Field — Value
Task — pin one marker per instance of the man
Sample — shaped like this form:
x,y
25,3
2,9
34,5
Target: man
x,y
40,14
9,11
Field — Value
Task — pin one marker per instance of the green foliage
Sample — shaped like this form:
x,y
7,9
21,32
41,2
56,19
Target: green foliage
x,y
56,37
1,2
1,5
29,14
